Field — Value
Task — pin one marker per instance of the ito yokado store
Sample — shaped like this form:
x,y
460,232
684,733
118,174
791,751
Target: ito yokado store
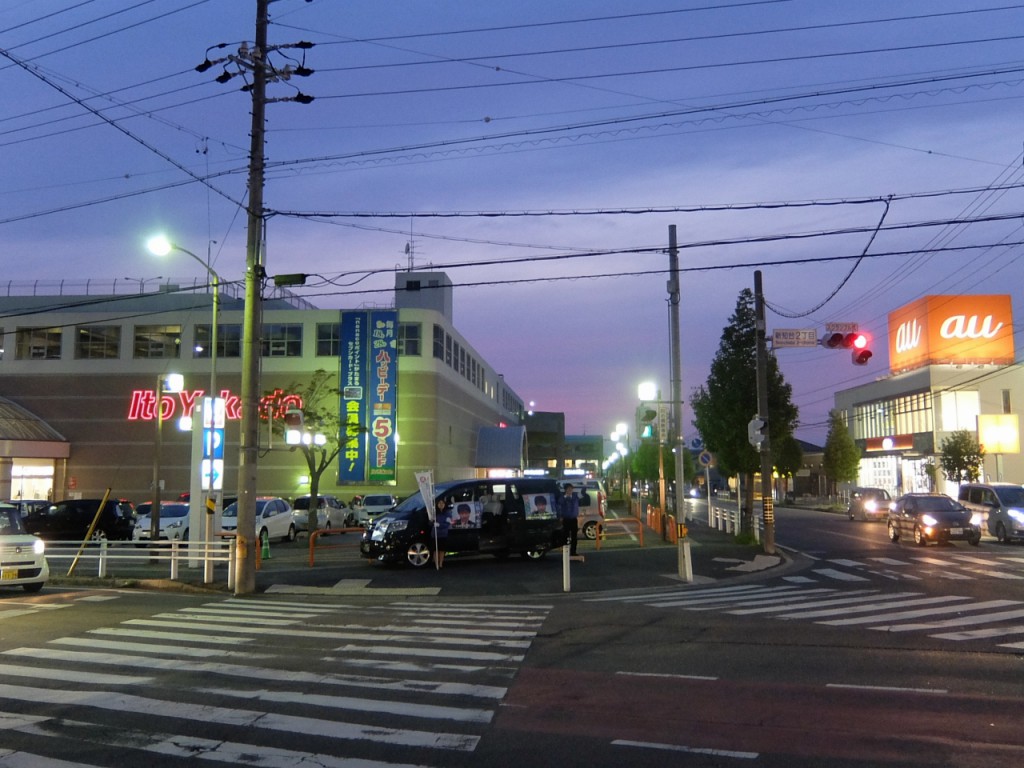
x,y
952,367
79,377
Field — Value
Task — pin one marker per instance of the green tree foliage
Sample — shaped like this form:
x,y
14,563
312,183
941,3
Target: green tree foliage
x,y
321,414
961,457
789,457
728,400
842,456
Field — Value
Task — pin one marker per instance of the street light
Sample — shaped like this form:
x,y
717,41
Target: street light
x,y
159,245
143,280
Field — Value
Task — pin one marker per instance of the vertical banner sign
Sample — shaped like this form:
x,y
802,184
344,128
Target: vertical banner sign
x,y
212,467
383,396
352,460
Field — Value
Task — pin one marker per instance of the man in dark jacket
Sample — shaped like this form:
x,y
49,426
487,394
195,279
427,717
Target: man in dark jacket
x,y
569,511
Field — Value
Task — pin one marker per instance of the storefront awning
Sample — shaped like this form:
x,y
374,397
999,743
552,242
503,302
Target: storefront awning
x,y
24,435
500,447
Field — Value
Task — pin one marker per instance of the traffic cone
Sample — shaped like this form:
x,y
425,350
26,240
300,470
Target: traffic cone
x,y
265,551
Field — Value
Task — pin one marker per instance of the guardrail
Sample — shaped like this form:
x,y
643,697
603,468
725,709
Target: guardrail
x,y
105,552
326,532
625,522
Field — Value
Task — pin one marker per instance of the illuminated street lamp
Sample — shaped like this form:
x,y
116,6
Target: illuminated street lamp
x,y
159,245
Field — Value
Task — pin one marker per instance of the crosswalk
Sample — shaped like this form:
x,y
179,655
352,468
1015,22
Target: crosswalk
x,y
950,566
266,682
944,617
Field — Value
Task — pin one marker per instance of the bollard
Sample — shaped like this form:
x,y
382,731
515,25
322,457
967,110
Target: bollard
x,y
103,559
685,563
566,580
265,548
232,557
174,560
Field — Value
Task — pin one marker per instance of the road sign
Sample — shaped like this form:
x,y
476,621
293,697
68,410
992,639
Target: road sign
x,y
841,327
696,444
705,459
794,337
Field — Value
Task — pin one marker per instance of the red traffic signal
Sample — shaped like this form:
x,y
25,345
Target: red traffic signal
x,y
856,341
293,419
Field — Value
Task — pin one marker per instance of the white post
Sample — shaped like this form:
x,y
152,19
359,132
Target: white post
x,y
103,559
566,580
174,561
685,564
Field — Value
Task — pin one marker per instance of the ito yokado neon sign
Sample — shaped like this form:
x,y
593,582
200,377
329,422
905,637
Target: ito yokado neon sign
x,y
179,404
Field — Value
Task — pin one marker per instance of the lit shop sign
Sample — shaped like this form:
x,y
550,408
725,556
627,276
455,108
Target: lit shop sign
x,y
177,404
369,396
935,330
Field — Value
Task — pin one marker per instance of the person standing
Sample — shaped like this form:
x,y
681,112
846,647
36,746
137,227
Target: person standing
x,y
569,511
442,522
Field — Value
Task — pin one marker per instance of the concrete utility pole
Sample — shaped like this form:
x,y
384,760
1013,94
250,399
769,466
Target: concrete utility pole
x,y
677,368
767,502
245,550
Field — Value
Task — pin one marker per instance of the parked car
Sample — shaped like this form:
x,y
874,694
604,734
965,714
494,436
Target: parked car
x,y
1001,506
593,504
933,517
22,555
273,519
371,506
331,513
173,522
869,504
27,505
505,515
69,520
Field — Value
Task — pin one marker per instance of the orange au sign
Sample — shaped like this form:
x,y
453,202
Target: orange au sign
x,y
936,330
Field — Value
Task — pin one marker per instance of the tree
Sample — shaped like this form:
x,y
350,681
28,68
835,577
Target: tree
x,y
789,458
842,456
319,397
728,400
961,457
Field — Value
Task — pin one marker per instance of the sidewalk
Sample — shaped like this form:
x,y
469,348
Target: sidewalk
x,y
620,564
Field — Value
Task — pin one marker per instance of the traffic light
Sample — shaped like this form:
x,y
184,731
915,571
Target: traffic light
x,y
647,417
757,430
861,353
294,421
856,341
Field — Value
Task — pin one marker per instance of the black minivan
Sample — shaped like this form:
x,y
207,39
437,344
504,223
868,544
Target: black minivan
x,y
69,520
496,516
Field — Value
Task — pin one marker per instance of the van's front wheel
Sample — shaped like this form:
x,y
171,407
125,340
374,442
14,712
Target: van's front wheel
x,y
418,554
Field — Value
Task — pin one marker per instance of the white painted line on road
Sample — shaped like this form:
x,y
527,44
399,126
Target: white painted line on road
x,y
205,713
690,750
963,621
889,561
832,573
982,634
848,563
69,675
662,674
882,603
176,637
262,604
959,607
164,650
886,688
997,574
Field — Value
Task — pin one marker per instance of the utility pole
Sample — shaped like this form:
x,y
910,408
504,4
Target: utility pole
x,y
767,502
677,368
253,61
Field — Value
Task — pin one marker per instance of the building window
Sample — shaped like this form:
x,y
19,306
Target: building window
x,y
328,339
448,349
38,344
439,342
282,340
157,341
409,339
229,341
98,342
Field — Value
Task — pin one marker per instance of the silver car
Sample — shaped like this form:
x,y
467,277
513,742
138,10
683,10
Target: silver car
x,y
273,519
22,559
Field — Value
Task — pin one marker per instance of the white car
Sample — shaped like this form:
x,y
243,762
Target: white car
x,y
173,522
22,559
273,519
373,505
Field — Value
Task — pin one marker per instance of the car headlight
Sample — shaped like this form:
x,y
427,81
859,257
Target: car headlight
x,y
870,505
176,524
928,520
1016,514
38,546
977,519
394,525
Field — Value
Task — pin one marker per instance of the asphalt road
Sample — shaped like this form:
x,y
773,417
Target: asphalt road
x,y
850,653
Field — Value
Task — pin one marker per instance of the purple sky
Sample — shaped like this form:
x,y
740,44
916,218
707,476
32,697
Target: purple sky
x,y
717,117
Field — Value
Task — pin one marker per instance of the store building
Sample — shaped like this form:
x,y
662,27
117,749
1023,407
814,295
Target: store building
x,y
952,367
79,374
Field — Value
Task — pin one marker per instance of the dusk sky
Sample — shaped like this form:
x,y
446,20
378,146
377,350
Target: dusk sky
x,y
537,152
